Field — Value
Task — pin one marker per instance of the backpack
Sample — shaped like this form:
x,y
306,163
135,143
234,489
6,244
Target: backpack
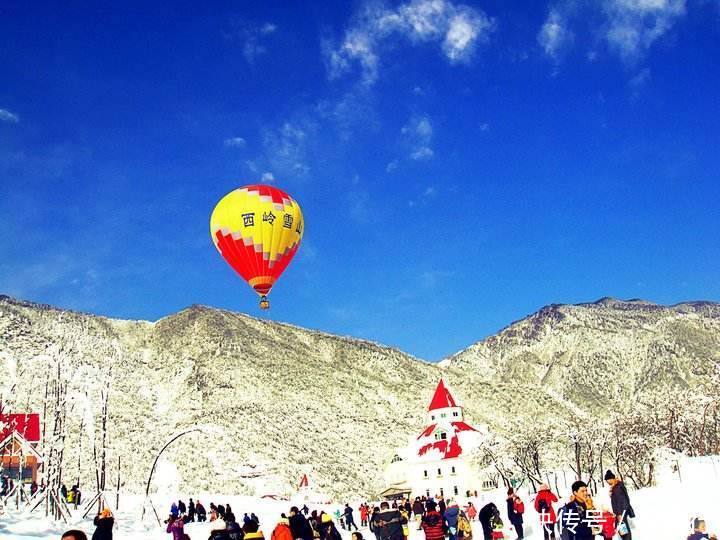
x,y
519,506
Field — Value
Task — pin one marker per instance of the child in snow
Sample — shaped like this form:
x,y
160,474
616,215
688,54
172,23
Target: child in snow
x,y
497,526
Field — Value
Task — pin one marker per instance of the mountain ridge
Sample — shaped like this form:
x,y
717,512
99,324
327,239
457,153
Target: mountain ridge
x,y
284,400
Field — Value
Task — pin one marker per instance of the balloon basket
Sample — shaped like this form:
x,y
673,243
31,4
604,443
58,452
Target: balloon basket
x,y
264,303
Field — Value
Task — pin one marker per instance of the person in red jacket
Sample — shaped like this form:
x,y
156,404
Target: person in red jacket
x,y
544,506
282,530
432,523
363,515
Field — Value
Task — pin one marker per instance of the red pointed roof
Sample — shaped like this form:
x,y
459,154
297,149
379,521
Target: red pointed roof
x,y
442,398
304,481
27,425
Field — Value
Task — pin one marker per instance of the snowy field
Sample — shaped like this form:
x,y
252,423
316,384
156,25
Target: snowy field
x,y
663,512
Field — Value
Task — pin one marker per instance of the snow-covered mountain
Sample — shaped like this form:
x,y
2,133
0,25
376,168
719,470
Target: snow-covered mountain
x,y
282,400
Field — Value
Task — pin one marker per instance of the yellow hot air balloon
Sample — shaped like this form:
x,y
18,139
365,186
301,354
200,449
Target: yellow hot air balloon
x,y
257,229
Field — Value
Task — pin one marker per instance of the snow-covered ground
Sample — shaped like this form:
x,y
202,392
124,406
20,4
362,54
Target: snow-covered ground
x,y
663,512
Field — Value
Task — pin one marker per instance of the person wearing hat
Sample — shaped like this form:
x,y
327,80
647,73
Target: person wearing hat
x,y
699,531
432,522
327,528
104,522
452,512
621,507
544,507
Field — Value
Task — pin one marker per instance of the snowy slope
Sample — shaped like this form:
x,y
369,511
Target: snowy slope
x,y
279,400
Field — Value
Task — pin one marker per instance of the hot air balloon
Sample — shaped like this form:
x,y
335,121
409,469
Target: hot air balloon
x,y
257,229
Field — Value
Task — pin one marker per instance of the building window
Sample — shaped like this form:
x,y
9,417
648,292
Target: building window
x,y
442,492
452,470
455,490
443,415
440,436
432,417
439,471
456,414
427,493
425,475
396,459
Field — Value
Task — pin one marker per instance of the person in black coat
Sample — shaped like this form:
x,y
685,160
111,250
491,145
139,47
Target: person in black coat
x,y
573,516
299,526
349,519
442,506
191,512
485,517
389,523
104,522
515,517
182,509
201,512
327,529
621,507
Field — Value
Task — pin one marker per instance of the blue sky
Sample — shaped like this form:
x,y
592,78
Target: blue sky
x,y
459,165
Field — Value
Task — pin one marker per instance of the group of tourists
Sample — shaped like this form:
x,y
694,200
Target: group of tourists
x,y
439,519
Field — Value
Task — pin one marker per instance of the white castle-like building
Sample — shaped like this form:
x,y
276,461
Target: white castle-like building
x,y
437,462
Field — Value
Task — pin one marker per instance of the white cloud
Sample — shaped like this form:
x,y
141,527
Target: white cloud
x,y
235,142
267,178
637,82
7,116
422,199
268,28
253,37
392,166
418,134
287,147
554,36
422,153
456,29
634,25
628,28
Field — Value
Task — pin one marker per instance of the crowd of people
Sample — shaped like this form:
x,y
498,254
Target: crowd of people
x,y
436,517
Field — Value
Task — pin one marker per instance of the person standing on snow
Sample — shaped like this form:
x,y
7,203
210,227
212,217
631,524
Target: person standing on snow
x,y
389,523
486,517
175,527
201,513
621,506
349,519
432,523
191,511
327,529
174,509
442,506
299,526
363,515
544,507
574,521
515,509
103,522
452,512
471,511
418,509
